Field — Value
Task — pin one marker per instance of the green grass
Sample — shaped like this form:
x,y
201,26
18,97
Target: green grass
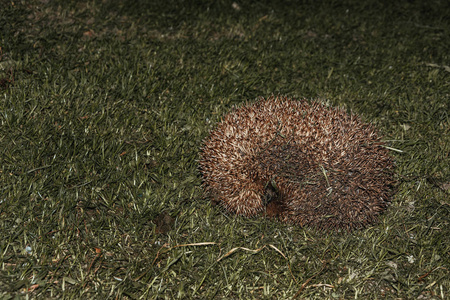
x,y
103,109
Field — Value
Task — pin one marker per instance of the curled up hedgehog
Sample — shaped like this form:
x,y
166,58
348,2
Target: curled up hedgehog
x,y
299,162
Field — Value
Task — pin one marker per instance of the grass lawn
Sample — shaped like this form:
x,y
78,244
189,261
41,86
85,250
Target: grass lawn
x,y
103,109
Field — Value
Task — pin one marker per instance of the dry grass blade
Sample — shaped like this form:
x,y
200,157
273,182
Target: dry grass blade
x,y
183,245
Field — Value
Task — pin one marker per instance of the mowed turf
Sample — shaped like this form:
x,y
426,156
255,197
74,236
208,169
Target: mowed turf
x,y
103,109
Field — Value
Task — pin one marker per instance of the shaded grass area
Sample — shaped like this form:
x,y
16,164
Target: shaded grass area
x,y
103,109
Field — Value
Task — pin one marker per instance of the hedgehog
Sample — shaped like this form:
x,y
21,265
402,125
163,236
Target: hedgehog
x,y
300,162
